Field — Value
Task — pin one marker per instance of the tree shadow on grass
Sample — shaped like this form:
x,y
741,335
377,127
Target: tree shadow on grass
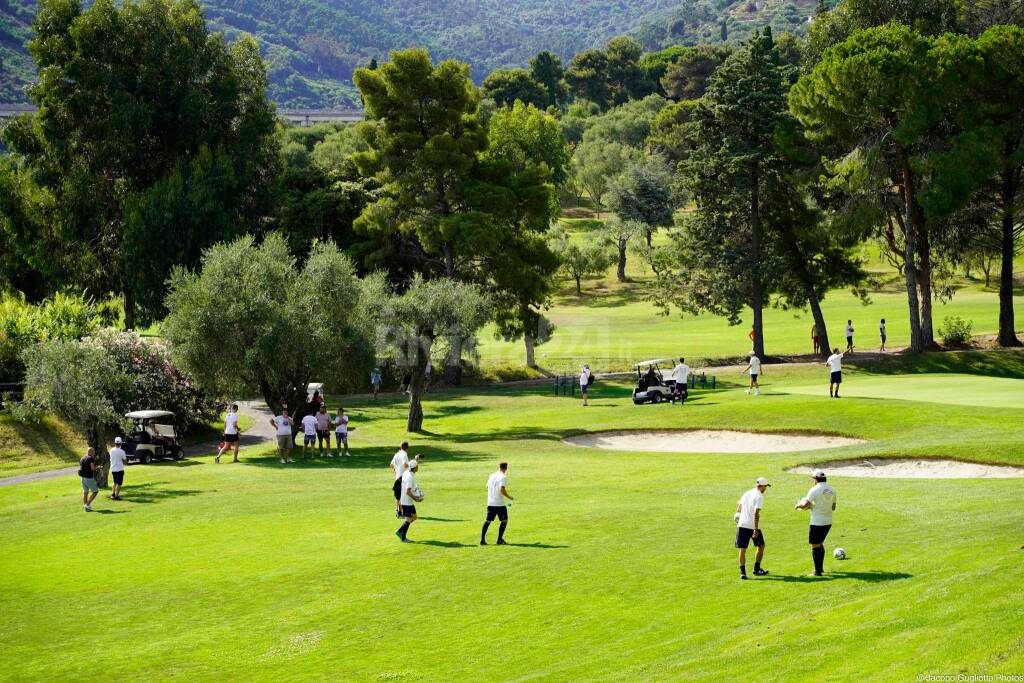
x,y
154,492
370,457
867,577
184,462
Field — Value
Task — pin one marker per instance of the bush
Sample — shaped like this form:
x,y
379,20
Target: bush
x,y
62,317
955,331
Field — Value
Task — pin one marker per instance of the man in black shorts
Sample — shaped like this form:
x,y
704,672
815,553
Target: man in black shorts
x,y
748,526
411,495
398,466
821,501
496,507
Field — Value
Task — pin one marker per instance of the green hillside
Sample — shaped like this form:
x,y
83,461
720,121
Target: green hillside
x,y
312,46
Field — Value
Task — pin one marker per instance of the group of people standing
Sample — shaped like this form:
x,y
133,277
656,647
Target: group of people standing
x,y
849,337
316,433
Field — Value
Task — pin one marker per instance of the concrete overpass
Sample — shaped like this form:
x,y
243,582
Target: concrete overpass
x,y
299,117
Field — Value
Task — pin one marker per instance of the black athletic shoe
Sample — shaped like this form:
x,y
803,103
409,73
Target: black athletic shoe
x,y
483,542
760,572
501,541
743,576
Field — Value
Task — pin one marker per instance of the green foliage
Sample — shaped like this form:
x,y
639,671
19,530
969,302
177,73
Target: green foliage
x,y
611,76
546,68
955,331
507,86
643,192
589,258
687,77
524,135
288,324
63,317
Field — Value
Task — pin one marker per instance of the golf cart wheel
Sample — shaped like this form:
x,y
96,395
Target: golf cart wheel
x,y
655,397
146,458
178,454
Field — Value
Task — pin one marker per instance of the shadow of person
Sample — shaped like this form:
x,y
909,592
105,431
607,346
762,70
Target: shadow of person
x,y
544,546
110,512
439,519
443,544
868,577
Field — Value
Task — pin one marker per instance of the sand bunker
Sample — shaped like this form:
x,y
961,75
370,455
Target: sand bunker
x,y
914,469
708,441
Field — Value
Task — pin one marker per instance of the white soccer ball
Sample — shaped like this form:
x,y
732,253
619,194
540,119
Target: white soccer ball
x,y
839,554
418,492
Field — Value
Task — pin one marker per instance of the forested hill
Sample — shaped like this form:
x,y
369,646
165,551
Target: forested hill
x,y
312,46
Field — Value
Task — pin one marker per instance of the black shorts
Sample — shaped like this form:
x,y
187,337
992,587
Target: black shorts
x,y
744,536
408,510
836,377
816,534
230,438
323,435
753,378
499,511
849,341
396,488
883,338
118,477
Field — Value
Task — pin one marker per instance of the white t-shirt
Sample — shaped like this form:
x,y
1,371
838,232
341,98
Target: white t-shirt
x,y
231,423
681,373
408,482
755,365
117,458
342,424
849,330
585,378
309,425
750,501
399,461
284,425
494,485
881,329
823,497
835,362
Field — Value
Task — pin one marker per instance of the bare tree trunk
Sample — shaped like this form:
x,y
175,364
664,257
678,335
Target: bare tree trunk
x,y
916,342
129,308
98,442
579,288
1007,331
799,265
453,363
531,361
414,423
620,270
924,283
756,283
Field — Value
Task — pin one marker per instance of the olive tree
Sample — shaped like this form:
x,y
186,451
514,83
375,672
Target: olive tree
x,y
255,320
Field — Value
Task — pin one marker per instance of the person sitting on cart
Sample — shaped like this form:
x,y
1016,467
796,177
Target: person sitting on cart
x,y
651,378
154,433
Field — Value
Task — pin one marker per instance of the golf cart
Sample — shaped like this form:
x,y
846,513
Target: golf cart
x,y
150,440
651,386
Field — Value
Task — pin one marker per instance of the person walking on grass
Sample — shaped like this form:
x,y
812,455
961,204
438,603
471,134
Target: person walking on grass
x,y
748,526
118,458
754,368
341,432
814,338
753,338
496,507
323,430
88,468
308,434
411,495
881,335
821,501
849,336
283,425
585,379
835,367
375,382
230,441
399,461
681,375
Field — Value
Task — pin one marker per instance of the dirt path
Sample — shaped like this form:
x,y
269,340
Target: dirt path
x,y
258,434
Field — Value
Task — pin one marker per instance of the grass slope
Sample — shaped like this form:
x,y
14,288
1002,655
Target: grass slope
x,y
621,566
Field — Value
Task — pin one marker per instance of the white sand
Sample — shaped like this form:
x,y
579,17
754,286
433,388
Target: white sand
x,y
708,441
915,469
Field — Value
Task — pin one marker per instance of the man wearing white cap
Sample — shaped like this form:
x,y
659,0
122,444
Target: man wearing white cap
x,y
117,460
411,495
748,526
821,501
496,506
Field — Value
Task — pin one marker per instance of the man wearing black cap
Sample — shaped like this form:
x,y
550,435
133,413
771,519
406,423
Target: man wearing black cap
x,y
748,526
821,501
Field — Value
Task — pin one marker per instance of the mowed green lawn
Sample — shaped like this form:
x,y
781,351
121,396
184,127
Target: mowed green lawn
x,y
968,390
621,565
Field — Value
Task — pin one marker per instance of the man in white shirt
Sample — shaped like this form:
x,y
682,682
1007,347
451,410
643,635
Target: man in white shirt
x,y
323,430
341,431
681,375
282,425
117,462
821,501
399,461
835,368
230,440
881,335
748,526
411,495
584,382
308,434
754,368
496,495
849,336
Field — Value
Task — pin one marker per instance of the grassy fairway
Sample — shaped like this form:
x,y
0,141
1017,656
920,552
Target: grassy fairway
x,y
967,390
621,569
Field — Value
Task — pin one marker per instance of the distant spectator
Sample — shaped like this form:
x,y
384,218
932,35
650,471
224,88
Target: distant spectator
x,y
586,378
323,430
117,462
881,335
230,441
341,431
308,434
849,336
375,381
88,467
283,425
754,368
814,338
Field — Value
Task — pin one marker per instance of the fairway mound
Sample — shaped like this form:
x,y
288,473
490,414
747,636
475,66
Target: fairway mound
x,y
914,469
708,441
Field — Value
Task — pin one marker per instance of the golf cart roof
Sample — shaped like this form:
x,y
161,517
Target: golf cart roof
x,y
644,364
148,414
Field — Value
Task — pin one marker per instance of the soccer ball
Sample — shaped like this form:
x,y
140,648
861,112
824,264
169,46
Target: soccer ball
x,y
839,554
418,491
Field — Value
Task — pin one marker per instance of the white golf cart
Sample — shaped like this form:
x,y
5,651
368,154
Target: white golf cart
x,y
152,436
651,385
